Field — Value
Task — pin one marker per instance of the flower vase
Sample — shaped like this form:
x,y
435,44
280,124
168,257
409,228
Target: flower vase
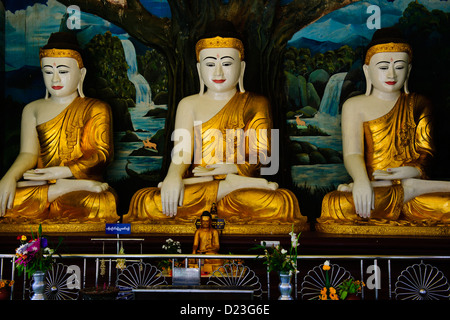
x,y
285,286
38,285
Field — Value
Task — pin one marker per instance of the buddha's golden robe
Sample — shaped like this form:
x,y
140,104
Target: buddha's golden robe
x,y
245,111
80,138
402,137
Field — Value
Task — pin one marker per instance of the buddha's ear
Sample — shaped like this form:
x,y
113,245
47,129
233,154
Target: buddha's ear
x,y
241,77
405,85
80,83
202,83
368,81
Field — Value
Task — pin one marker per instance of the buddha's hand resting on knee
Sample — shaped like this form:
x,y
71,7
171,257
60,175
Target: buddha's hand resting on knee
x,y
7,193
172,192
363,198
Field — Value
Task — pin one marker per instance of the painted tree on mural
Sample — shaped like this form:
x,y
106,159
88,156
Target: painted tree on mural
x,y
266,26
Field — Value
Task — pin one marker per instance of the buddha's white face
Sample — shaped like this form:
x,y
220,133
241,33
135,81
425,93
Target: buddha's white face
x,y
388,71
220,68
61,75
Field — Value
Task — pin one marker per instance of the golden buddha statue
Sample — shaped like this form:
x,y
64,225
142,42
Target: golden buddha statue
x,y
221,142
387,145
206,238
206,241
66,145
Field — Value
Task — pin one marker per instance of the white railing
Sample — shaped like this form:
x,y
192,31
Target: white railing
x,y
416,280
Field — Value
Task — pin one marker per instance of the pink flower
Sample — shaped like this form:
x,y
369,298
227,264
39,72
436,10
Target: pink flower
x,y
35,245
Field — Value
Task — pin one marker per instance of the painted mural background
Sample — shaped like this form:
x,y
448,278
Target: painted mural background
x,y
322,65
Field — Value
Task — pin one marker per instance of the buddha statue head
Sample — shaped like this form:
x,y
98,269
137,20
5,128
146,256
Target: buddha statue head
x,y
387,63
206,220
220,58
62,65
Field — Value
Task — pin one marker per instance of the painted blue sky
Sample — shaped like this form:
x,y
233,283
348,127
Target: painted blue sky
x,y
351,21
29,24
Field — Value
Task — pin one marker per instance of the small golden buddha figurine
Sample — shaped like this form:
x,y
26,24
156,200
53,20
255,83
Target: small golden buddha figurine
x,y
208,164
206,241
387,146
206,238
66,145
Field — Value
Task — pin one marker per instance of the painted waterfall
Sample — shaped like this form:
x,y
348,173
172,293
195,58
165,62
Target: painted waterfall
x,y
322,173
145,127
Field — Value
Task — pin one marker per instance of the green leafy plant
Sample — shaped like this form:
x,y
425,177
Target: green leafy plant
x,y
349,286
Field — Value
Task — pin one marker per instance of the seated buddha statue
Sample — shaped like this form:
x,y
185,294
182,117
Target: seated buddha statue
x,y
206,241
387,147
65,147
206,238
221,140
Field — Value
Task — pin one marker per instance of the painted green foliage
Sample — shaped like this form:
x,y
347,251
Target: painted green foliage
x,y
110,65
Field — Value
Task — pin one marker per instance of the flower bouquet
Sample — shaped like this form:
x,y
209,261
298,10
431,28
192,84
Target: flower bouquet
x,y
171,247
279,259
35,254
328,292
347,289
284,262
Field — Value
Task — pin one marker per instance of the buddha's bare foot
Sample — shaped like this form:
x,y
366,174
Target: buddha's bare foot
x,y
234,182
345,187
377,183
413,187
30,183
194,180
64,186
408,189
249,182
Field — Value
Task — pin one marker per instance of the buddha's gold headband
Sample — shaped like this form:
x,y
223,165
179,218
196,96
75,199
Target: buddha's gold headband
x,y
219,42
61,53
388,47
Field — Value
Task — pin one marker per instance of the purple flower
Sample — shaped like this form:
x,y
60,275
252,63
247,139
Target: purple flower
x,y
44,242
